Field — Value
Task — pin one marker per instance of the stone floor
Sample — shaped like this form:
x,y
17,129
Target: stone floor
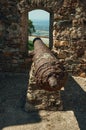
x,y
13,89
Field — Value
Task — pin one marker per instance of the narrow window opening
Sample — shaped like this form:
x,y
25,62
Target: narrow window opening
x,y
38,26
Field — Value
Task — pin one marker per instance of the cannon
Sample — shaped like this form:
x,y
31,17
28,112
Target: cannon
x,y
47,77
50,74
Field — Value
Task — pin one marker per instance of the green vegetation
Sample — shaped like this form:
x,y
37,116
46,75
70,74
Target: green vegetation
x,y
30,45
31,27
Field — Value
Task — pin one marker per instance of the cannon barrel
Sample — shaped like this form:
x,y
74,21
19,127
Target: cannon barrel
x,y
49,73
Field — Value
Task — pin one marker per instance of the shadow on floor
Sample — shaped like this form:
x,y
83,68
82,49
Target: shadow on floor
x,y
74,99
13,89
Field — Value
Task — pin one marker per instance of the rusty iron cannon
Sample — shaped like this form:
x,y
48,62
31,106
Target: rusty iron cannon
x,y
50,74
47,77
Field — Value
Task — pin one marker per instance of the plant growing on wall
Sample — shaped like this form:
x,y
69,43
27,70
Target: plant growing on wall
x,y
31,27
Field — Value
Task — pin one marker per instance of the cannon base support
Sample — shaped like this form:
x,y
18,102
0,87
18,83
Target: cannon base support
x,y
39,99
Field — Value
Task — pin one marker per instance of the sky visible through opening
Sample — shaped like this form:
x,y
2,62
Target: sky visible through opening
x,y
41,21
39,15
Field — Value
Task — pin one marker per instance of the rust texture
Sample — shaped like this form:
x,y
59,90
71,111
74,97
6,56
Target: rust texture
x,y
49,73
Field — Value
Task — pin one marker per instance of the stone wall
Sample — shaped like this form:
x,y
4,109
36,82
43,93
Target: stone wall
x,y
69,36
13,30
10,38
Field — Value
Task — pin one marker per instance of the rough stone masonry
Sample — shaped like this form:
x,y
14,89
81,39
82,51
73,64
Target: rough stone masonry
x,y
69,24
